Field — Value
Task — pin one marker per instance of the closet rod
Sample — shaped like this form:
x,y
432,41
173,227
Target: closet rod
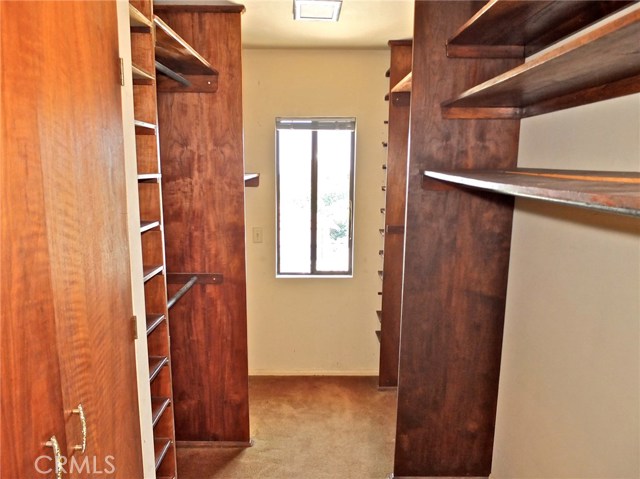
x,y
182,291
171,74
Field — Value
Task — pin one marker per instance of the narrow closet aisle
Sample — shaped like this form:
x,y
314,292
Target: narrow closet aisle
x,y
306,427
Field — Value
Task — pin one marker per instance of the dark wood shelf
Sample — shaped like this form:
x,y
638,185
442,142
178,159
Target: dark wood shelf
x,y
149,271
153,321
395,229
175,53
599,64
158,407
156,363
140,76
379,314
378,335
516,29
161,447
403,86
149,176
148,225
611,192
144,128
138,22
252,179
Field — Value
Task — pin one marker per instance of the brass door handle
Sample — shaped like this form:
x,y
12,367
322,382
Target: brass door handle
x,y
57,456
83,424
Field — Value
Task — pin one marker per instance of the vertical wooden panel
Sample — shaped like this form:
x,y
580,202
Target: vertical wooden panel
x,y
27,330
203,193
455,273
72,153
394,216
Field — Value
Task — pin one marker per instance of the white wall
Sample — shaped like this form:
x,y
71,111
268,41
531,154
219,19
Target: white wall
x,y
314,326
569,395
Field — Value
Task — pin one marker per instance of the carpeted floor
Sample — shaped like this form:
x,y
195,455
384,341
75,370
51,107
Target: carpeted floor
x,y
309,428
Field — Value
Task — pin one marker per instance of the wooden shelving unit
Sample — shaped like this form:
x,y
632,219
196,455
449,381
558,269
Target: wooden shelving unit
x,y
144,128
156,363
153,321
138,21
152,235
516,29
403,86
182,67
148,176
175,53
595,65
252,179
149,271
159,406
148,225
206,206
611,192
393,211
450,354
141,77
161,446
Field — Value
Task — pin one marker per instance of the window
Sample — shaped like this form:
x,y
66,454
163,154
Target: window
x,y
315,164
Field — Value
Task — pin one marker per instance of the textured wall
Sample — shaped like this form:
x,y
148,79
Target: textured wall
x,y
314,326
570,392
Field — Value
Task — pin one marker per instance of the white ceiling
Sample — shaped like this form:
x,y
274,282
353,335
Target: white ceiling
x,y
363,24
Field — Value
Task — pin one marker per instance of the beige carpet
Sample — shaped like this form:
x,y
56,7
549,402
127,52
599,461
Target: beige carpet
x,y
309,428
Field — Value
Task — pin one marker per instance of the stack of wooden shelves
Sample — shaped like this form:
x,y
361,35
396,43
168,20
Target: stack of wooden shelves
x,y
152,235
393,238
597,64
458,238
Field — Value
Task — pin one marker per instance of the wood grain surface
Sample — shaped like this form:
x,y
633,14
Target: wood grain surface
x,y
456,264
611,192
203,191
598,59
66,292
521,28
394,215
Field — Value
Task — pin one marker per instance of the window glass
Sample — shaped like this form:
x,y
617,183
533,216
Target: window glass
x,y
315,161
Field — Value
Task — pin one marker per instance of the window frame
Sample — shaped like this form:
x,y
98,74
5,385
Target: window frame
x,y
297,123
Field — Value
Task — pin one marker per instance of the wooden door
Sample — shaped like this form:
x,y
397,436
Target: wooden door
x,y
66,331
